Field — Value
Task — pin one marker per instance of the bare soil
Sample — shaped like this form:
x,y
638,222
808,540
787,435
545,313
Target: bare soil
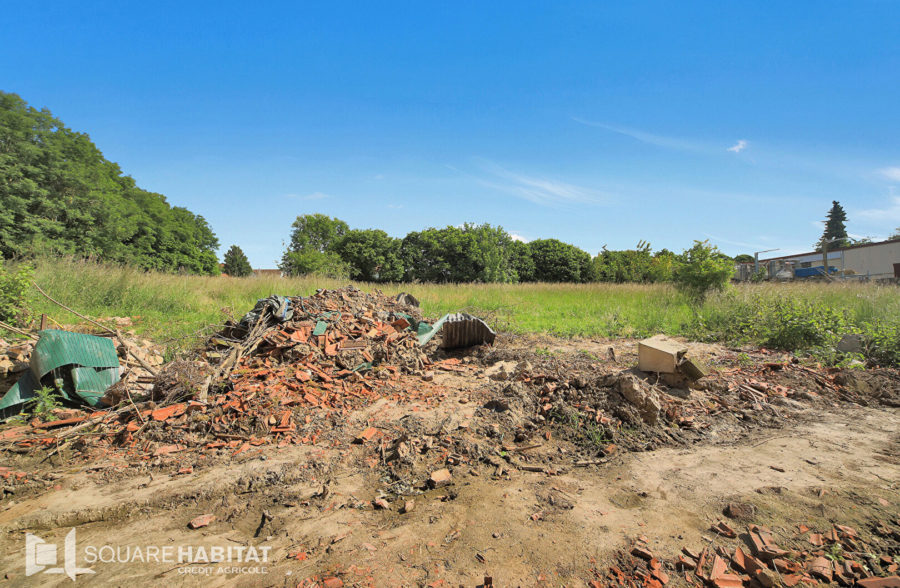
x,y
542,492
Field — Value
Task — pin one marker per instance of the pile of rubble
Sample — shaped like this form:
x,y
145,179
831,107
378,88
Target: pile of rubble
x,y
286,374
836,555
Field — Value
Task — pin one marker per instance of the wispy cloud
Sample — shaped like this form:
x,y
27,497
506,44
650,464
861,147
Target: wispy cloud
x,y
313,196
888,214
891,173
540,190
750,246
738,147
645,137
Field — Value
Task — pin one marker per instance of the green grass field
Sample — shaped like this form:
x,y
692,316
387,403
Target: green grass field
x,y
178,309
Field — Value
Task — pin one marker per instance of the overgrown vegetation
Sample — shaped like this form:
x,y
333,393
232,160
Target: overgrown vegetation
x,y
15,286
485,254
703,269
801,316
60,195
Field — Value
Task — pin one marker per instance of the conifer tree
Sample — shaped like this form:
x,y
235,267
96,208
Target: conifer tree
x,y
236,263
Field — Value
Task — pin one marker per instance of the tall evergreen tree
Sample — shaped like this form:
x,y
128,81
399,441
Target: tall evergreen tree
x,y
236,263
835,228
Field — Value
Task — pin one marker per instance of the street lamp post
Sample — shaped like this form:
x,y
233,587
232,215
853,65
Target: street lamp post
x,y
756,260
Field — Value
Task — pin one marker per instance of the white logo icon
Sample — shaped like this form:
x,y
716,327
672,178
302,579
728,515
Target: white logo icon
x,y
39,554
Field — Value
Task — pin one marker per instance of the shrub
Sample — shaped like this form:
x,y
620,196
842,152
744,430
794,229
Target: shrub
x,y
703,269
14,287
882,342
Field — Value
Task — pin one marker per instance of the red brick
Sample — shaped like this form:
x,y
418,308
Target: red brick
x,y
201,521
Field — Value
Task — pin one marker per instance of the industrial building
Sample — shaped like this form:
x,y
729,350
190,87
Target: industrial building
x,y
869,261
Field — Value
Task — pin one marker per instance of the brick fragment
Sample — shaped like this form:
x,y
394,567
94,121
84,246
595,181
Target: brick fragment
x,y
440,478
201,521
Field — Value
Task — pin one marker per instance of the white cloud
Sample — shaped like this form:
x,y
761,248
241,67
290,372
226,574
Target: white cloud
x,y
891,173
395,206
645,137
738,147
518,237
544,191
889,214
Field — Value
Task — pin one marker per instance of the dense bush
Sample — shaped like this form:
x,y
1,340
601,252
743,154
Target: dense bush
x,y
487,254
702,269
14,289
882,342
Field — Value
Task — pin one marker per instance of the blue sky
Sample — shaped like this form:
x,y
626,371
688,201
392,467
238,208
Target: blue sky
x,y
597,123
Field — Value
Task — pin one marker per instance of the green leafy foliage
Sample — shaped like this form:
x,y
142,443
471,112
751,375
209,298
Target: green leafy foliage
x,y
45,401
14,293
882,342
372,255
555,261
61,196
634,265
312,248
743,258
471,253
702,269
236,263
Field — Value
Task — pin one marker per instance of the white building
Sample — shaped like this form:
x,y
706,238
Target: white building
x,y
876,261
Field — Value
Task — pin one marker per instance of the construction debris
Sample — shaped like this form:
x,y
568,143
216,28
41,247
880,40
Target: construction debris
x,y
662,355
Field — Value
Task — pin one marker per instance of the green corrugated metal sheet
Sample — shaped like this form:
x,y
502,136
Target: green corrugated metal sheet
x,y
80,367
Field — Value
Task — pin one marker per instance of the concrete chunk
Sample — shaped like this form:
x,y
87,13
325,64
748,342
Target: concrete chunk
x,y
659,354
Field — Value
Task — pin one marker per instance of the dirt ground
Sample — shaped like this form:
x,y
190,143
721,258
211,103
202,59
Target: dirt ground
x,y
530,502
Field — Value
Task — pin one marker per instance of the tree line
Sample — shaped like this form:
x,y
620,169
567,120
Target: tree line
x,y
321,244
60,196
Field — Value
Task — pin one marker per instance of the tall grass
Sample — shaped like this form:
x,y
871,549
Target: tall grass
x,y
173,307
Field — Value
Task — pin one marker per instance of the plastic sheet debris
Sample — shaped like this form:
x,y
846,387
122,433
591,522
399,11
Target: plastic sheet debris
x,y
279,306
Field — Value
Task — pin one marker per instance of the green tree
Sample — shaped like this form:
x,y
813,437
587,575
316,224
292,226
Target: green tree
x,y
471,253
634,265
312,247
834,228
373,255
555,261
896,234
743,258
61,196
236,263
702,269
521,261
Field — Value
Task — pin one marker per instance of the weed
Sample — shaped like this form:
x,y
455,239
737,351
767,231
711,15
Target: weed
x,y
582,431
43,404
588,354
